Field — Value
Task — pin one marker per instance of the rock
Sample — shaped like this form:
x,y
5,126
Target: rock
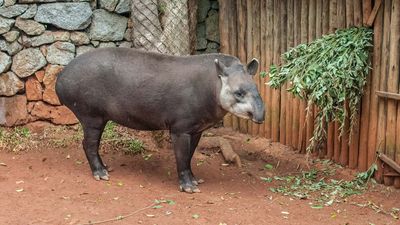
x,y
49,81
201,44
14,48
210,50
213,45
1,2
201,30
13,11
68,16
212,31
5,24
39,75
5,62
43,50
107,45
125,44
42,110
9,2
95,43
62,115
214,5
128,34
30,27
60,53
57,114
61,35
11,36
108,4
107,26
33,89
83,49
37,127
27,62
3,45
124,6
46,38
79,38
202,10
10,84
13,110
30,12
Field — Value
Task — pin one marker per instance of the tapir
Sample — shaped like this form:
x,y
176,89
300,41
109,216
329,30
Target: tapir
x,y
150,91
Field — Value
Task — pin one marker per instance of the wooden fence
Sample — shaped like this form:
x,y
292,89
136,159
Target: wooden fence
x,y
266,28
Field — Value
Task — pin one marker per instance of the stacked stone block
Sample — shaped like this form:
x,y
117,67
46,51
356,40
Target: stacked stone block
x,y
38,38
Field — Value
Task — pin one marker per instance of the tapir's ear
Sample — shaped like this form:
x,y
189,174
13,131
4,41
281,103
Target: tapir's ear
x,y
220,67
252,66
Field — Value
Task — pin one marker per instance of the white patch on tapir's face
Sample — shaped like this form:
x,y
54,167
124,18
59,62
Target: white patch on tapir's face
x,y
230,102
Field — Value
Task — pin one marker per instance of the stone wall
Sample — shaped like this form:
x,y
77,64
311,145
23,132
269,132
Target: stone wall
x,y
38,38
207,27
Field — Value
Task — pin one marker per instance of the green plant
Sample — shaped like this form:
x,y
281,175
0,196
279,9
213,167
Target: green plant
x,y
134,146
329,72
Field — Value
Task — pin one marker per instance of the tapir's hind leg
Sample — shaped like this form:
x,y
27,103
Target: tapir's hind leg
x,y
184,145
92,130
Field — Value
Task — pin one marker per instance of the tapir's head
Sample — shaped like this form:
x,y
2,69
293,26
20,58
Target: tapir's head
x,y
239,94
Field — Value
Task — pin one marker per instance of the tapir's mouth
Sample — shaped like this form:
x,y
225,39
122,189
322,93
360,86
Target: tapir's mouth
x,y
257,121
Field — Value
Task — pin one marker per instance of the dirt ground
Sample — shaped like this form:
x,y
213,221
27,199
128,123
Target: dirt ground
x,y
52,184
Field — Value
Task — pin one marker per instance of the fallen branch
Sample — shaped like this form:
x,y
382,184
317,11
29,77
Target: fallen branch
x,y
120,217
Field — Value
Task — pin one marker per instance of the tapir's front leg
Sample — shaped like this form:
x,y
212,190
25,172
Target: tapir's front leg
x,y
184,146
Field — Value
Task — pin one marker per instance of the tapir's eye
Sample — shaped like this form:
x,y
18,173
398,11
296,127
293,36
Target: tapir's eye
x,y
239,94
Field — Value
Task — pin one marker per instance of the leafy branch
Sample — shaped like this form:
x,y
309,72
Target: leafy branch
x,y
330,73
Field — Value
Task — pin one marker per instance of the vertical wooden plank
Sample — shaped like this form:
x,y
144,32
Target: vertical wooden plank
x,y
256,53
290,97
383,84
393,85
238,14
269,60
276,93
321,152
311,37
354,145
283,93
242,40
296,104
395,70
224,41
367,7
302,114
344,149
263,61
331,126
375,73
249,53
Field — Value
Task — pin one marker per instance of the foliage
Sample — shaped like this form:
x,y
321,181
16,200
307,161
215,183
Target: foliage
x,y
329,72
313,183
15,139
112,138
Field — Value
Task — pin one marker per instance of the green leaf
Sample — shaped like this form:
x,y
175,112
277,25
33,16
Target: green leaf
x,y
317,206
195,216
266,179
268,166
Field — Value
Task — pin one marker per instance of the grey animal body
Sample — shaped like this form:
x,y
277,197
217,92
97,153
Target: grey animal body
x,y
151,91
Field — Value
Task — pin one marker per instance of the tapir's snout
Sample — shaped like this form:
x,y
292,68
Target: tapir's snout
x,y
258,114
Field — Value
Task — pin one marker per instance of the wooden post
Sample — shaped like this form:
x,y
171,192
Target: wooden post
x,y
256,53
393,82
242,27
296,104
367,7
383,84
262,59
249,51
276,93
283,93
290,97
269,58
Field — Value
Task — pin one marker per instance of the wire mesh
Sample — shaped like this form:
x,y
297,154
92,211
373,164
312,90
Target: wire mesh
x,y
161,26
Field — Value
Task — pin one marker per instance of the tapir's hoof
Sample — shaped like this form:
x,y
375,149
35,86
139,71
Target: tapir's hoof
x,y
189,189
101,175
197,182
